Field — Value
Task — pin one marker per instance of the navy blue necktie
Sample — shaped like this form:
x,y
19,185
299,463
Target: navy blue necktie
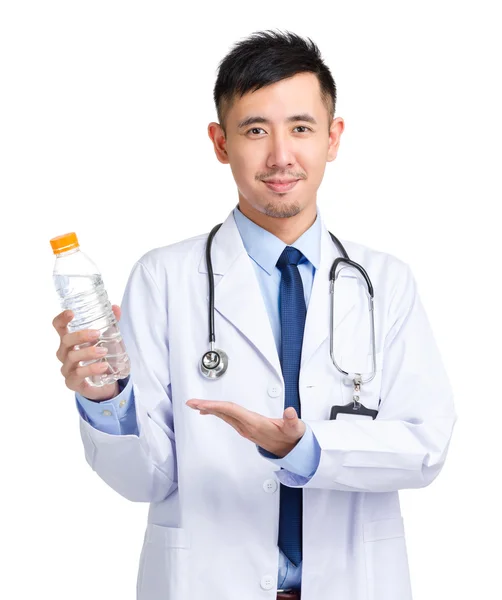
x,y
293,313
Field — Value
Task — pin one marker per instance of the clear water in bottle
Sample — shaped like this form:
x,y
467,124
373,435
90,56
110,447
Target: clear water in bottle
x,y
80,288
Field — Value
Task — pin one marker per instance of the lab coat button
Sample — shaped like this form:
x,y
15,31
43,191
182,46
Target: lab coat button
x,y
270,486
107,413
274,390
267,582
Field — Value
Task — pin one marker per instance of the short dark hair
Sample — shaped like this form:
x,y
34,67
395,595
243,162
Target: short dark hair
x,y
266,57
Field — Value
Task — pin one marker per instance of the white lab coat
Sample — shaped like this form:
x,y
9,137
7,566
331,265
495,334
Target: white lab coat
x,y
212,526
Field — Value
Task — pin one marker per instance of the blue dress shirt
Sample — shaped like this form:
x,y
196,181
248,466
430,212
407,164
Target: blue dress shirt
x,y
118,416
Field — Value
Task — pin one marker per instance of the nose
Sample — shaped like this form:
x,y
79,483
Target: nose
x,y
280,154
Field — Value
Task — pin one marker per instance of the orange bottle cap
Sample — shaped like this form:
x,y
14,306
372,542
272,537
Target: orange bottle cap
x,y
65,242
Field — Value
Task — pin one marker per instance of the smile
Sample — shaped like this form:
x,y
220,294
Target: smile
x,y
281,187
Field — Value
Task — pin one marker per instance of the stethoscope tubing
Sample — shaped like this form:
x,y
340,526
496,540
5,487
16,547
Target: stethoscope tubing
x,y
333,276
209,264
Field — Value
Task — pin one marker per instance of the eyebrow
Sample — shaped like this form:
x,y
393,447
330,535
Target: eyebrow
x,y
302,117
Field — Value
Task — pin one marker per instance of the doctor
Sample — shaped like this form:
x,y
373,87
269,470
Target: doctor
x,y
252,488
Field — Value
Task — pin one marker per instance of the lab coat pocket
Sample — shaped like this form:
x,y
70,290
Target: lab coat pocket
x,y
387,571
164,569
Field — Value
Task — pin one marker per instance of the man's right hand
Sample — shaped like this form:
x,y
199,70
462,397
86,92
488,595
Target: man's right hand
x,y
71,370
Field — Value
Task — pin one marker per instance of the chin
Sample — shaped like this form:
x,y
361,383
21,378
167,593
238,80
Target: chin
x,y
282,208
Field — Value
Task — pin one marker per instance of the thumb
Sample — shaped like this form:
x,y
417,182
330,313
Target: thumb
x,y
290,416
116,311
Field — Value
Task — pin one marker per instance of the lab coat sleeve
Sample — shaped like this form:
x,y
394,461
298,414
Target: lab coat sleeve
x,y
140,466
116,416
303,458
406,445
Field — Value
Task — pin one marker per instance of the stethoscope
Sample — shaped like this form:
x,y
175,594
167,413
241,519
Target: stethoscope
x,y
214,363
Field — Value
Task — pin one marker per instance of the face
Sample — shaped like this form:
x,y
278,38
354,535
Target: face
x,y
269,147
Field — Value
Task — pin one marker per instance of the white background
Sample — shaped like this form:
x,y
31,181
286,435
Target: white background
x,y
103,131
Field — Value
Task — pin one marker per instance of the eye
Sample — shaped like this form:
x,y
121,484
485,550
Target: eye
x,y
259,128
253,129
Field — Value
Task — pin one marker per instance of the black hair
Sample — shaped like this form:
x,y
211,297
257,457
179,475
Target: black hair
x,y
266,57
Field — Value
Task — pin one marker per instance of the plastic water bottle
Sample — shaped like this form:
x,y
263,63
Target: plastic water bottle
x,y
80,288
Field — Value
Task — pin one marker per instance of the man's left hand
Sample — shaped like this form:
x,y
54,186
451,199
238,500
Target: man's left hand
x,y
278,436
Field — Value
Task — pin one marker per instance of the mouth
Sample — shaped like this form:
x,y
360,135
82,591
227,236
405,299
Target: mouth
x,y
281,187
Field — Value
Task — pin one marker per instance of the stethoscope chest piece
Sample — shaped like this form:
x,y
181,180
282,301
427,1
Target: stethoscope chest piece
x,y
214,363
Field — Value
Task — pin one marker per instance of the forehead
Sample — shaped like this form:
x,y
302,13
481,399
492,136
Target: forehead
x,y
298,94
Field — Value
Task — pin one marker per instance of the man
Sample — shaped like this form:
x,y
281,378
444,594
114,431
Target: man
x,y
265,492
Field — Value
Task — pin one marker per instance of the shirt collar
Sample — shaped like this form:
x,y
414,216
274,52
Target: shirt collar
x,y
265,248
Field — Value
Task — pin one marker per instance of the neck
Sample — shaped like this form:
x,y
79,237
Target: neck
x,y
287,229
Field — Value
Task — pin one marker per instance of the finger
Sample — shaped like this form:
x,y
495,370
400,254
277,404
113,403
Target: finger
x,y
60,322
249,421
237,426
246,422
69,367
233,422
75,376
86,355
231,409
116,311
248,429
80,338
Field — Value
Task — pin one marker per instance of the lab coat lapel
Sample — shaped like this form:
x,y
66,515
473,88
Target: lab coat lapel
x,y
317,322
237,292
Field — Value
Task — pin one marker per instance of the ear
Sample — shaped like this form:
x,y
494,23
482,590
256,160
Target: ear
x,y
218,138
335,132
